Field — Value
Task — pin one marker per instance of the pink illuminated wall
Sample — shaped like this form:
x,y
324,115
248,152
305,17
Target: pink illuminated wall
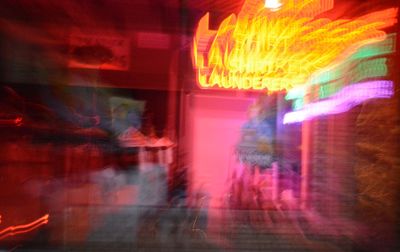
x,y
215,129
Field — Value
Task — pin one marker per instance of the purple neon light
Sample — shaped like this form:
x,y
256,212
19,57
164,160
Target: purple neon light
x,y
344,100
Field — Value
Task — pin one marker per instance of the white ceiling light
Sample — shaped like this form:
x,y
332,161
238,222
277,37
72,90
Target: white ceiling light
x,y
273,4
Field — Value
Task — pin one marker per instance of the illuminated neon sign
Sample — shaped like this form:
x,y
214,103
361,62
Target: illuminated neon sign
x,y
349,97
369,62
269,49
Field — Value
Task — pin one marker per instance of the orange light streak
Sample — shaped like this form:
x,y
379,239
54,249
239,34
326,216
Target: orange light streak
x,y
273,50
25,228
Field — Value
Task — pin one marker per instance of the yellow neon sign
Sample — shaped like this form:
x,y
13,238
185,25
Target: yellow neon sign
x,y
265,49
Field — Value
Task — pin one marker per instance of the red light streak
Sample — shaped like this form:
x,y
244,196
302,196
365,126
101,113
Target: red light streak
x,y
13,121
18,121
24,228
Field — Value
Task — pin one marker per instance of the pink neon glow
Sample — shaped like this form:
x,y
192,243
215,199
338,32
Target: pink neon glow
x,y
343,101
216,123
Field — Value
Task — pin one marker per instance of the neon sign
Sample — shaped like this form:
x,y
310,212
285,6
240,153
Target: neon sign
x,y
369,62
269,49
349,97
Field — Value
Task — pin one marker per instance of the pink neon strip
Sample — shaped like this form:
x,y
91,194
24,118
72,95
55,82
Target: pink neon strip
x,y
344,100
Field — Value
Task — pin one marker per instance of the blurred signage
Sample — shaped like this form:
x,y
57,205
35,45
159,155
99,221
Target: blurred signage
x,y
99,52
281,47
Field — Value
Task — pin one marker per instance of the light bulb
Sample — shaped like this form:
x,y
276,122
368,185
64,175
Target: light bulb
x,y
274,5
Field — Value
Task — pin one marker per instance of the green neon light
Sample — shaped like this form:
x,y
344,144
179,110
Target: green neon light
x,y
386,46
357,68
298,104
370,69
295,93
365,70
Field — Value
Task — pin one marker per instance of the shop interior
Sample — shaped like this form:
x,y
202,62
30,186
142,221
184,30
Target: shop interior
x,y
181,125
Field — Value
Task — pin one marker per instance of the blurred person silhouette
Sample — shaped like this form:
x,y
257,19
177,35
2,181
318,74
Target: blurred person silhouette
x,y
255,151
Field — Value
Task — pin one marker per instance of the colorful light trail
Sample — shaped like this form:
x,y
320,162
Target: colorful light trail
x,y
273,50
369,62
24,228
344,100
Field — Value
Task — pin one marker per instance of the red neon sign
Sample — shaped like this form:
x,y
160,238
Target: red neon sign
x,y
277,49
